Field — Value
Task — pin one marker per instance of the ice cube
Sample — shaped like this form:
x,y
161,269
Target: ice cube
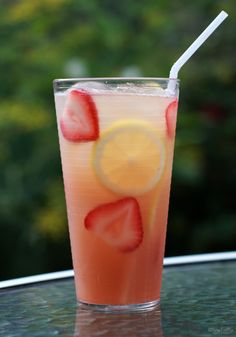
x,y
140,88
90,86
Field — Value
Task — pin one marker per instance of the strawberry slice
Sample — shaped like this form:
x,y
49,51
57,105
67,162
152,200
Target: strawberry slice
x,y
171,116
79,121
118,223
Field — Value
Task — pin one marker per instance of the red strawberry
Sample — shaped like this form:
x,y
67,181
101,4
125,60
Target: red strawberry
x,y
118,223
79,121
171,115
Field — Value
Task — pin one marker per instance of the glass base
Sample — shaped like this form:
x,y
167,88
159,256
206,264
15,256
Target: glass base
x,y
140,307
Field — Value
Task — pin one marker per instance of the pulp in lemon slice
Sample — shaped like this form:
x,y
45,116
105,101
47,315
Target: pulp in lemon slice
x,y
129,157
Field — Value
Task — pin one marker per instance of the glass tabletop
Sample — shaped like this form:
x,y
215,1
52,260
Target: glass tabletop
x,y
197,300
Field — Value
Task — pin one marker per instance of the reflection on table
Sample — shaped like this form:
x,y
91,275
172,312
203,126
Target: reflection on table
x,y
93,324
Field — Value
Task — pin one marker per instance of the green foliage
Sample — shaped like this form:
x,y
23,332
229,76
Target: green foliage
x,y
47,39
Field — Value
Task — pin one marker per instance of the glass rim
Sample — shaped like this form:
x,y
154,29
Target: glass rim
x,y
168,84
161,79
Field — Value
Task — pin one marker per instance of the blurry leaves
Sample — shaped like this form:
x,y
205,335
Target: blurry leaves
x,y
27,9
215,234
51,219
188,165
16,114
76,68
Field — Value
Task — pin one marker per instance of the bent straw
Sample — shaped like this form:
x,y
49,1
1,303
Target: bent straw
x,y
194,47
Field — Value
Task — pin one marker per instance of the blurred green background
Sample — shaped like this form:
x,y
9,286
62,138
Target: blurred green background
x,y
47,39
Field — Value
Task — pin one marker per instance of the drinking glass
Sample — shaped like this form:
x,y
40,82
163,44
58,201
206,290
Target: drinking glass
x,y
116,141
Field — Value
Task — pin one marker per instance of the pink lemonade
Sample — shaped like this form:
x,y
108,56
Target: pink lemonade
x,y
116,142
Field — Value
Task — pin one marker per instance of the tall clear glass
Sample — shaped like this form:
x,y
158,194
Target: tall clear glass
x,y
117,140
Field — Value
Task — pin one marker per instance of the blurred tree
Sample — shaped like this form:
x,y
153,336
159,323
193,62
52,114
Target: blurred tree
x,y
47,39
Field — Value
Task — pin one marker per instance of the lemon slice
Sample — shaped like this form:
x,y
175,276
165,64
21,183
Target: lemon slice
x,y
129,157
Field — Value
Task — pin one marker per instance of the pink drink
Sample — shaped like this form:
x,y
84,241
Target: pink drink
x,y
117,141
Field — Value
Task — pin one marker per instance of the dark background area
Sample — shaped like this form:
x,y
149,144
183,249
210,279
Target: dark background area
x,y
47,39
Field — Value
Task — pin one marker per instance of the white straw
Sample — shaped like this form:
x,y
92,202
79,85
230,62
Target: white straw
x,y
195,45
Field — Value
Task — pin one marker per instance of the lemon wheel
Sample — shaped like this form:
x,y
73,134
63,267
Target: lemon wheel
x,y
129,157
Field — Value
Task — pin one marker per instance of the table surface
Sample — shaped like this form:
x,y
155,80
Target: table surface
x,y
197,300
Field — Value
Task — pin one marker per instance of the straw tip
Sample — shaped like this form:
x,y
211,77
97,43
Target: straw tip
x,y
224,14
